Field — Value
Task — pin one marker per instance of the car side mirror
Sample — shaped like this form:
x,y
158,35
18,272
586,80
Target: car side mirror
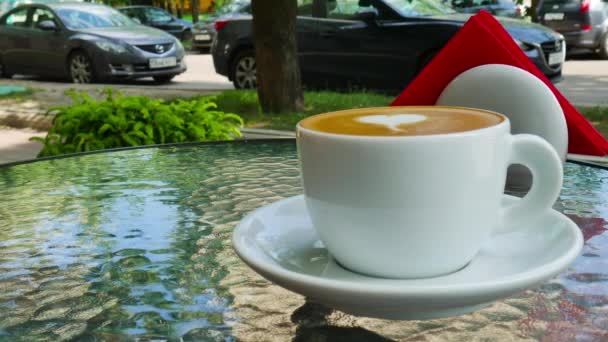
x,y
47,25
136,20
368,15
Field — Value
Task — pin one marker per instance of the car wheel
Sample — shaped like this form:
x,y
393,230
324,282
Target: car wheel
x,y
603,53
163,78
81,68
244,71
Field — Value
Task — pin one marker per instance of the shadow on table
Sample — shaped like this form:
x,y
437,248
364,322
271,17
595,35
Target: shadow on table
x,y
311,319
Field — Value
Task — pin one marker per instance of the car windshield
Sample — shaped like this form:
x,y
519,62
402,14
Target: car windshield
x,y
420,8
91,17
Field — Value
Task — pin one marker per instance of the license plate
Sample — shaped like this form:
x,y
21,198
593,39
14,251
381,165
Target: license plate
x,y
555,58
554,16
202,37
167,62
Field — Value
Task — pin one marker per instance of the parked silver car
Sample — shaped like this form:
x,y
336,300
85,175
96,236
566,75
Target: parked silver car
x,y
85,43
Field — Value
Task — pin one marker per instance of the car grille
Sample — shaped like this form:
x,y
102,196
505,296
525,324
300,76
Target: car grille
x,y
152,48
550,47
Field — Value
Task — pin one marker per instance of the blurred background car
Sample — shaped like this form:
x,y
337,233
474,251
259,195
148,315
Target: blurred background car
x,y
204,31
371,44
85,43
159,18
7,5
584,23
499,8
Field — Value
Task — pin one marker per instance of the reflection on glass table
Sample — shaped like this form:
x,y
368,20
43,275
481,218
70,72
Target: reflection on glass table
x,y
136,244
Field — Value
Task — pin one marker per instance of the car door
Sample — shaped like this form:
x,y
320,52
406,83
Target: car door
x,y
363,53
307,38
15,42
48,50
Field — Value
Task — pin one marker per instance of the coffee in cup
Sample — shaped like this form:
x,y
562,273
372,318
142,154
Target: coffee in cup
x,y
410,192
388,122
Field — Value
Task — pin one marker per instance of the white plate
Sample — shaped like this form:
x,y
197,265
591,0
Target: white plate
x,y
202,37
555,58
166,62
554,16
279,242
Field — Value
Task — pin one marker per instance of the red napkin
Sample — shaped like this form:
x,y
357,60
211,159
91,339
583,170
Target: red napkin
x,y
462,53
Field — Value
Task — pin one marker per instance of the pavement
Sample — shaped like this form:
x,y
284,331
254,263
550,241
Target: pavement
x,y
15,144
585,84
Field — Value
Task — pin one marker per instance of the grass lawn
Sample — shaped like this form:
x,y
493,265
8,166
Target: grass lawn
x,y
18,95
245,103
598,116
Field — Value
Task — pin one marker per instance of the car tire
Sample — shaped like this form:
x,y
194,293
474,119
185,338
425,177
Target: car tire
x,y
243,71
163,78
80,68
603,52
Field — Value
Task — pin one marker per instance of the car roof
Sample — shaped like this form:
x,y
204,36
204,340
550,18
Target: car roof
x,y
73,4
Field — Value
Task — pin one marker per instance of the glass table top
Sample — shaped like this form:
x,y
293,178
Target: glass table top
x,y
135,244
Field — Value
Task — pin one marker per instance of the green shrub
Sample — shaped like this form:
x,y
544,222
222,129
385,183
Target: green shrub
x,y
121,121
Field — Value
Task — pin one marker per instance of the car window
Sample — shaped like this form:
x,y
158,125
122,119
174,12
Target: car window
x,y
17,19
344,9
135,14
40,15
472,3
93,16
157,15
236,6
304,8
420,8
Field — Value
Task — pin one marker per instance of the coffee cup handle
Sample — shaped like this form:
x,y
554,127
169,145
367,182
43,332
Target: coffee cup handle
x,y
543,161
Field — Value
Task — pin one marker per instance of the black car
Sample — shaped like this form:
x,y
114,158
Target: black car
x,y
500,8
204,31
378,44
86,43
160,19
584,23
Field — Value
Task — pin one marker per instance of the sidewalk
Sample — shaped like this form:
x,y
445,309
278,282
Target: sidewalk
x,y
15,144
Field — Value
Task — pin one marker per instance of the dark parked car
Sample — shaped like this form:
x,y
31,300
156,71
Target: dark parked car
x,y
379,44
584,23
500,8
160,19
86,43
204,31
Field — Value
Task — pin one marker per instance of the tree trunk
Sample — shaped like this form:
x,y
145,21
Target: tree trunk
x,y
278,72
180,9
194,4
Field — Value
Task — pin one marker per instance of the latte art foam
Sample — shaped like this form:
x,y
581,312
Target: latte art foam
x,y
402,121
392,121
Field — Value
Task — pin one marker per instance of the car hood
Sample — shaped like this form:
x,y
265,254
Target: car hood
x,y
519,29
133,35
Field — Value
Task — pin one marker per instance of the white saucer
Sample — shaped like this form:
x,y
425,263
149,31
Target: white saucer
x,y
279,242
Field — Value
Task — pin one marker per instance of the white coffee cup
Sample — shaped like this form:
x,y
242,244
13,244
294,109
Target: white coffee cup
x,y
419,206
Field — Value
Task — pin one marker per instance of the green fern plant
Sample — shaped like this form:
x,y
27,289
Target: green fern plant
x,y
121,121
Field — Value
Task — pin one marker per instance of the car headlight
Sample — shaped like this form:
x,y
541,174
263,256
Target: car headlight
x,y
523,46
111,47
